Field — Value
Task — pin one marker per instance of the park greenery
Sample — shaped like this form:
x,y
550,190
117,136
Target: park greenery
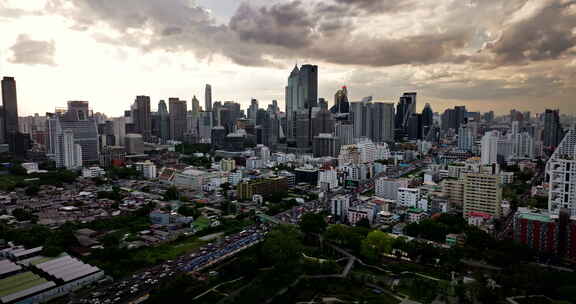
x,y
193,148
17,178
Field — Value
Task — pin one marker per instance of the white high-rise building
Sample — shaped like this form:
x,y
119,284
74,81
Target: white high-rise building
x,y
523,145
329,176
263,152
489,148
382,151
148,169
388,188
69,155
561,168
339,206
408,197
62,147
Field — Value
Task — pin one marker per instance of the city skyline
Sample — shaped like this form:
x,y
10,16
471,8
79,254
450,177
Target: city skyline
x,y
469,65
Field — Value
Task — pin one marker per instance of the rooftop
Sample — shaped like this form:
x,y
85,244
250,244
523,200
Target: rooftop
x,y
536,217
21,285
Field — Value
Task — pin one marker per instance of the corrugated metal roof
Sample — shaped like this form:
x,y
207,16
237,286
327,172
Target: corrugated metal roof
x,y
7,266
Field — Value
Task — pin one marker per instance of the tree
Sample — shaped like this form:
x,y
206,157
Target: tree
x,y
364,222
171,194
282,246
312,223
345,236
188,211
375,244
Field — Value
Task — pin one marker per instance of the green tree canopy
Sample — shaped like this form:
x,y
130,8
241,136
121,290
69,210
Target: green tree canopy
x,y
188,211
283,245
312,223
376,243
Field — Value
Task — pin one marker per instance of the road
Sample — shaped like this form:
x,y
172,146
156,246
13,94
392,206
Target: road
x,y
136,288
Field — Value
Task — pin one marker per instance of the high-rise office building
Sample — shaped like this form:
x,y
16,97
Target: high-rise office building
x,y
79,120
177,113
10,104
362,117
301,95
309,84
208,98
427,119
523,145
163,122
205,126
344,131
404,110
62,146
323,122
382,122
553,132
465,138
253,111
341,103
325,144
134,144
141,117
453,118
489,154
373,120
415,127
561,169
482,195
195,105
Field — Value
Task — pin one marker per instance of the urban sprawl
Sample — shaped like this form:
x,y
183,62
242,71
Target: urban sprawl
x,y
324,201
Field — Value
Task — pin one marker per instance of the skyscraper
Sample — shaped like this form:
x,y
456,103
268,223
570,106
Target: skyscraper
x,y
293,102
489,154
323,122
195,105
415,127
404,110
253,111
177,113
561,168
465,138
553,132
301,95
341,103
208,98
141,117
72,137
163,122
373,120
10,104
453,118
309,84
427,119
362,117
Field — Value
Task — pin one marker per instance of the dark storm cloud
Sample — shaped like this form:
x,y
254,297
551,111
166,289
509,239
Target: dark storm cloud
x,y
287,25
548,34
328,30
377,6
28,51
303,33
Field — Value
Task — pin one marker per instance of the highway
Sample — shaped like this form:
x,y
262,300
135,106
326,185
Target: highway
x,y
135,289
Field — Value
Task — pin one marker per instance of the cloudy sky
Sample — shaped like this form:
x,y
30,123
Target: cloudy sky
x,y
485,54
